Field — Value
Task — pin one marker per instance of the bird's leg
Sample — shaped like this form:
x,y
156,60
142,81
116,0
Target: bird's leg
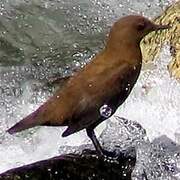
x,y
92,136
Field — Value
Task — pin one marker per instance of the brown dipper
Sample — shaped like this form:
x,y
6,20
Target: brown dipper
x,y
103,83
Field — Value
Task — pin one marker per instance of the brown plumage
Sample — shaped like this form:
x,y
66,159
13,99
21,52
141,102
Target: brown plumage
x,y
107,79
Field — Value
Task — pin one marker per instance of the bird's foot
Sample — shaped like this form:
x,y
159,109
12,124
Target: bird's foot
x,y
103,154
110,154
89,152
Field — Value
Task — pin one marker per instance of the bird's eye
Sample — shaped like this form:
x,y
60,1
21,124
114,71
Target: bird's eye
x,y
141,26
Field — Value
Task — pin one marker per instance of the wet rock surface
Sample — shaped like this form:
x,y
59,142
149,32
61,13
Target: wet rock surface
x,y
75,166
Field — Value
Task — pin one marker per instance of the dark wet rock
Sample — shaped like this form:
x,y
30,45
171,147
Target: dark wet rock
x,y
76,166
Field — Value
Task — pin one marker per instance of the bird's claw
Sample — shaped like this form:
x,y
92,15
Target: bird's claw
x,y
104,154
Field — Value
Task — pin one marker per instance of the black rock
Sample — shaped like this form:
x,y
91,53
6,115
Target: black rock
x,y
76,166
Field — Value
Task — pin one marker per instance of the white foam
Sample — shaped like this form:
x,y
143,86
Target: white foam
x,y
155,101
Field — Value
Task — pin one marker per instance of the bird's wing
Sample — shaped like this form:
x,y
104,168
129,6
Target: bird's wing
x,y
107,88
58,80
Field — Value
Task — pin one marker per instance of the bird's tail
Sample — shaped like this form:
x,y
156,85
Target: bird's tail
x,y
28,122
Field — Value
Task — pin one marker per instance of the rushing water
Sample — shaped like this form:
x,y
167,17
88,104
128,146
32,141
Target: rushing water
x,y
40,39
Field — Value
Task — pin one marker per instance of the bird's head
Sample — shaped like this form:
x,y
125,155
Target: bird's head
x,y
133,28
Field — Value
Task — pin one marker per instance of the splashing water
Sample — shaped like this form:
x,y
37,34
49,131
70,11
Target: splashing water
x,y
154,103
155,100
67,40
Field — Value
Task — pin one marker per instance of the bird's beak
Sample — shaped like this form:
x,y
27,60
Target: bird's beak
x,y
161,27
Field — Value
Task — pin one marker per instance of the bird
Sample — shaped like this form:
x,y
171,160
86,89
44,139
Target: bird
x,y
103,84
